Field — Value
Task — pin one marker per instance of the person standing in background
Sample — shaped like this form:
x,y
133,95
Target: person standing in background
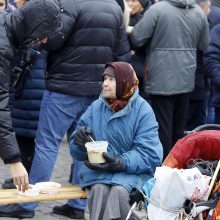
x,y
212,67
214,19
74,76
138,8
198,101
11,41
214,16
3,5
26,99
172,31
126,11
6,6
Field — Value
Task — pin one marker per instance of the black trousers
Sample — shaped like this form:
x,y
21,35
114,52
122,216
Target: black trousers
x,y
171,114
27,149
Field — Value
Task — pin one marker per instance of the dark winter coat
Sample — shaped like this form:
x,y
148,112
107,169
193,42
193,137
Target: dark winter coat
x,y
121,4
214,16
212,63
216,3
35,20
138,58
202,82
26,106
93,35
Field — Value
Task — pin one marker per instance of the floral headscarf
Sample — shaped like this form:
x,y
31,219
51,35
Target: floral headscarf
x,y
126,83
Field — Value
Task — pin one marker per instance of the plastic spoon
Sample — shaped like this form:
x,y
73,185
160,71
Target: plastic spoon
x,y
93,141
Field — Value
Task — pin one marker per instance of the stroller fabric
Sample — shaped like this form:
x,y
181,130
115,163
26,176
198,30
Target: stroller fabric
x,y
204,145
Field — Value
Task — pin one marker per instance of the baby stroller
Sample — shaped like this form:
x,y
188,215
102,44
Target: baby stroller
x,y
202,143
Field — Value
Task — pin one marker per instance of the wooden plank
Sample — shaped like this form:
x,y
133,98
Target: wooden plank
x,y
9,196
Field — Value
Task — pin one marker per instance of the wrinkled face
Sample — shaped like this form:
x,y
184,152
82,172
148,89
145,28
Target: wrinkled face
x,y
109,87
2,5
19,3
135,6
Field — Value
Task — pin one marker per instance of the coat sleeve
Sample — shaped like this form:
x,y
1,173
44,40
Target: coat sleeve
x,y
144,29
212,56
147,152
9,150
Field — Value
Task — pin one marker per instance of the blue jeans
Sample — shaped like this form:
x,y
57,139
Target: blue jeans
x,y
58,113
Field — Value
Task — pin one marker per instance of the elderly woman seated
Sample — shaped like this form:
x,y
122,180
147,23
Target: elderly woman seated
x,y
127,122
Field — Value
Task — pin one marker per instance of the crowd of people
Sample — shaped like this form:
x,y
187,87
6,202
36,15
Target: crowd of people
x,y
135,73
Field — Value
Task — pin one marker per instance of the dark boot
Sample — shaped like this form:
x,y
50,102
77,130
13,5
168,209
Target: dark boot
x,y
15,211
69,211
8,184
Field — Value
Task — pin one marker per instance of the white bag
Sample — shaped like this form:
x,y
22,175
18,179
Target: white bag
x,y
172,188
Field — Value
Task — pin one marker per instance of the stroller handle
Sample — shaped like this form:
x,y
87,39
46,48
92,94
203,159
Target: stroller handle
x,y
203,127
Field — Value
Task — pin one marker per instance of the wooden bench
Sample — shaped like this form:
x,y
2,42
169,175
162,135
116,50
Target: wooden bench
x,y
68,191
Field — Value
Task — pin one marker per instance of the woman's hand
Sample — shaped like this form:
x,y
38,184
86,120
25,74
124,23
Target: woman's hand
x,y
112,164
19,175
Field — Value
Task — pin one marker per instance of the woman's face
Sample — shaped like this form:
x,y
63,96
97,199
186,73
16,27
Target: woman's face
x,y
135,6
19,3
109,87
2,5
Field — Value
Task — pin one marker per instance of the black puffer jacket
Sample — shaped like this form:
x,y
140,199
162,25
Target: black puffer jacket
x,y
35,20
93,35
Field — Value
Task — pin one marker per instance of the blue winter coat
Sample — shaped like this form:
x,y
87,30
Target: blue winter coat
x,y
131,133
26,107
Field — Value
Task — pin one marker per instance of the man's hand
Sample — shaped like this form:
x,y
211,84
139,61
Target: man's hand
x,y
112,164
19,175
81,136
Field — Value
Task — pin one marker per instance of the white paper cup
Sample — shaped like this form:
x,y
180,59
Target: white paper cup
x,y
32,191
95,150
48,187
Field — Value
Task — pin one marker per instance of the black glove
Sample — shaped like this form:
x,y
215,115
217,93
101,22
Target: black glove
x,y
81,136
112,164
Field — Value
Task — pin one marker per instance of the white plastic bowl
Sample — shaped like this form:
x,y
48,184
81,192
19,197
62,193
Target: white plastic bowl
x,y
95,150
48,187
32,191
